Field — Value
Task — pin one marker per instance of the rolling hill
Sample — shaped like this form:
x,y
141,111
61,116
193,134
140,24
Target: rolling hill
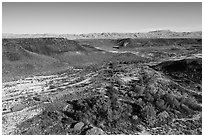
x,y
25,56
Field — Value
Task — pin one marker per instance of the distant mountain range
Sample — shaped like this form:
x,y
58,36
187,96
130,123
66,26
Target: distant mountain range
x,y
151,34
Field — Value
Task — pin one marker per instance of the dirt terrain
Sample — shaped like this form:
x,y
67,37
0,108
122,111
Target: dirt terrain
x,y
144,87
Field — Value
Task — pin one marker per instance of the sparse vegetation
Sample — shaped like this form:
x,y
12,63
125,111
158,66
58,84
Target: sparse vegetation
x,y
106,93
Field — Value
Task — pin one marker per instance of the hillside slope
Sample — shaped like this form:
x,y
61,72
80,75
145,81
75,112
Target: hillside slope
x,y
33,55
27,56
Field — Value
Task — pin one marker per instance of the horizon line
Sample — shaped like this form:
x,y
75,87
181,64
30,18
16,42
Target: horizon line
x,y
102,32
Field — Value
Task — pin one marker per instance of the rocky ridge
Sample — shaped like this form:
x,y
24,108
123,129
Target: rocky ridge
x,y
151,34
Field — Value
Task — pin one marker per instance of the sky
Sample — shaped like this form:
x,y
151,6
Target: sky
x,y
75,18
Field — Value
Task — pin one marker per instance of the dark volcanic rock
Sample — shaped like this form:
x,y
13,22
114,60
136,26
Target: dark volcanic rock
x,y
185,69
122,43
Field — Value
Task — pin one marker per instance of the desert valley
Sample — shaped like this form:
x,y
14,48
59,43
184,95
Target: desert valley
x,y
102,83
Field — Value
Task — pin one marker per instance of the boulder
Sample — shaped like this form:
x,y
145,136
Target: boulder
x,y
95,131
78,126
18,107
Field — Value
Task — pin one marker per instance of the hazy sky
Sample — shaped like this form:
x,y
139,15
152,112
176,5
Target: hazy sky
x,y
100,17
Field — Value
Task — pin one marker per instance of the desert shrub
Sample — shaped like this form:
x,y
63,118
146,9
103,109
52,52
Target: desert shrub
x,y
192,103
138,89
185,109
149,114
172,101
99,110
145,79
163,117
149,97
160,103
93,110
137,108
